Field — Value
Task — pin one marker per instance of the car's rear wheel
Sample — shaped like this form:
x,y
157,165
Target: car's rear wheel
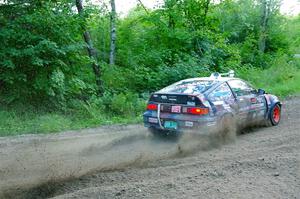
x,y
274,116
163,133
155,131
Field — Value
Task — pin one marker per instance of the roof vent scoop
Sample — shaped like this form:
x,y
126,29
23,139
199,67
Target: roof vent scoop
x,y
215,75
220,75
231,73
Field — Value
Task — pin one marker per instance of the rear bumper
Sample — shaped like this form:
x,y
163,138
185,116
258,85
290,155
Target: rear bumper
x,y
184,121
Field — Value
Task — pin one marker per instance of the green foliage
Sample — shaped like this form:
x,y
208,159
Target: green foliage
x,y
281,78
40,56
293,33
127,104
14,122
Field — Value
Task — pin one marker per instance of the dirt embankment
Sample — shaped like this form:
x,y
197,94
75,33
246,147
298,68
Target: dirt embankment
x,y
121,162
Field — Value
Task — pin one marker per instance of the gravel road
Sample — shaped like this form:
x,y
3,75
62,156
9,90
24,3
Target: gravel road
x,y
126,162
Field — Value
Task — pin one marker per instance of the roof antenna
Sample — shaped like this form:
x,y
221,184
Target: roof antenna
x,y
218,75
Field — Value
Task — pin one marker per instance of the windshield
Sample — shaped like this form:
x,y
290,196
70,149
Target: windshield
x,y
188,87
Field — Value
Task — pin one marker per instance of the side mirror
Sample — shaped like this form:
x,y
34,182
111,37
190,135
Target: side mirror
x,y
261,91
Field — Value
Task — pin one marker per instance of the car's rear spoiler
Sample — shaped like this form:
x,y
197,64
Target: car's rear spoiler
x,y
183,99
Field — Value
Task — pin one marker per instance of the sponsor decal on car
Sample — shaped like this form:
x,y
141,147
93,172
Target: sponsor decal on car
x,y
211,123
189,123
153,120
218,103
191,103
176,109
172,98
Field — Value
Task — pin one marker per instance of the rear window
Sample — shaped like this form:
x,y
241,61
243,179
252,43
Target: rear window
x,y
188,87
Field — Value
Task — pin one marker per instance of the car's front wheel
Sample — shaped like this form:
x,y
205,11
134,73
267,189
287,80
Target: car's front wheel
x,y
275,115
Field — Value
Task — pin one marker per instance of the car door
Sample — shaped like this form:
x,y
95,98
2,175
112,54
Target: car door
x,y
223,99
250,105
243,96
258,105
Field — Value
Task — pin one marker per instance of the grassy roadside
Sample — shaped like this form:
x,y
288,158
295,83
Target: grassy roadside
x,y
282,79
16,123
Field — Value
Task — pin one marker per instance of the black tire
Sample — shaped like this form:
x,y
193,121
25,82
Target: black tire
x,y
228,128
274,115
155,131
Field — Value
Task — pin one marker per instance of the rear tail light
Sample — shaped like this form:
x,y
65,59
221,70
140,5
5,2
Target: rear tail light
x,y
152,107
197,111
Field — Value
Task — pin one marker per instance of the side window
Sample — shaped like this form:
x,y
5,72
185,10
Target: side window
x,y
240,88
221,93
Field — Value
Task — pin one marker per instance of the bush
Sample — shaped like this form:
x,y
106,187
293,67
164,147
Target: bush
x,y
14,122
127,104
281,78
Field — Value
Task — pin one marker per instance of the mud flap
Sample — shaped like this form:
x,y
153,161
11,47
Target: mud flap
x,y
158,117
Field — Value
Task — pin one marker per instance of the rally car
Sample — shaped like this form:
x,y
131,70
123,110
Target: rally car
x,y
220,102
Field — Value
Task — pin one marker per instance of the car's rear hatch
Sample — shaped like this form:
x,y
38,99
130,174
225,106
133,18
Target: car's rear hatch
x,y
181,99
177,110
180,104
177,104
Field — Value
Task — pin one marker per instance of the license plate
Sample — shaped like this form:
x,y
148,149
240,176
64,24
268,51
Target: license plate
x,y
176,109
170,125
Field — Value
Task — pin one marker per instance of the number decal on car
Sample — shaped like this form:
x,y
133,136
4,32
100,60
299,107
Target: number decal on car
x,y
176,109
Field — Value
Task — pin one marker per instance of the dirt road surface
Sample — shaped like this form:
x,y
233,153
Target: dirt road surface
x,y
125,162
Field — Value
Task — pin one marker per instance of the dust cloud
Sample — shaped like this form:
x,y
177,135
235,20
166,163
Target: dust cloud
x,y
34,162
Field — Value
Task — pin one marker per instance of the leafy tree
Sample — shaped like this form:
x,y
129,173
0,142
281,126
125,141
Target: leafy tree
x,y
43,57
40,56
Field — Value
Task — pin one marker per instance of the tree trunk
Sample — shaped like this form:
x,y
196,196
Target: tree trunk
x,y
91,51
141,3
263,25
113,35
